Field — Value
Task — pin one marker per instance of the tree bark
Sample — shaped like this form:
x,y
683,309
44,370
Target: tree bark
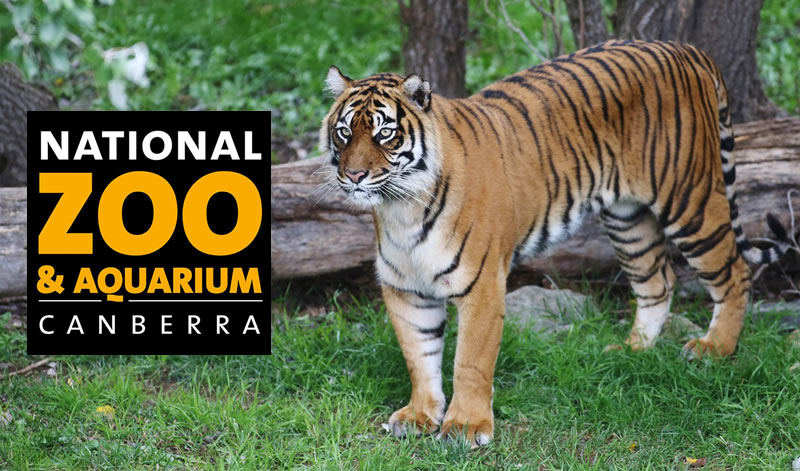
x,y
435,46
16,98
314,234
13,240
587,22
656,19
725,29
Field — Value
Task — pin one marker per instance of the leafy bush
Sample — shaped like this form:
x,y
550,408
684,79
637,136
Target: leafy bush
x,y
48,40
778,52
45,35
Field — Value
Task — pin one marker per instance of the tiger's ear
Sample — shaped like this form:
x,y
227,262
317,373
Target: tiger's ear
x,y
418,91
337,82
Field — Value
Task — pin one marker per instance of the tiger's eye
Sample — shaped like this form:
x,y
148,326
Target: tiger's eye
x,y
345,132
386,132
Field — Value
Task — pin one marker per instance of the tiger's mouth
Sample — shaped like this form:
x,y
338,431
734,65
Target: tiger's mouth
x,y
400,186
364,197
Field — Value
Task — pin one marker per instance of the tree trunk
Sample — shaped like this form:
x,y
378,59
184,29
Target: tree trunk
x,y
725,29
17,97
587,22
313,234
435,47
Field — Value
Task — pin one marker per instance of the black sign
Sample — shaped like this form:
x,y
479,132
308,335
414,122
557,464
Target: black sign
x,y
146,232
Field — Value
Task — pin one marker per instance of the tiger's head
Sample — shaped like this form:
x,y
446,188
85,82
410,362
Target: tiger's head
x,y
380,138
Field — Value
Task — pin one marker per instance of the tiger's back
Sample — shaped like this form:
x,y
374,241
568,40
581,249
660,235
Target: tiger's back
x,y
617,122
638,132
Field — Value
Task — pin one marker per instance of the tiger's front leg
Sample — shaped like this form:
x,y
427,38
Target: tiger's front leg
x,y
419,327
480,329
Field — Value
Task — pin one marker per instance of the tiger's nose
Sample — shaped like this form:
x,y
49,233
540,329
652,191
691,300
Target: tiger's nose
x,y
356,175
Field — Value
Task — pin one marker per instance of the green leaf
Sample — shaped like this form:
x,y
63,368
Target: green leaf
x,y
52,32
59,60
257,60
30,64
53,5
16,45
85,16
21,14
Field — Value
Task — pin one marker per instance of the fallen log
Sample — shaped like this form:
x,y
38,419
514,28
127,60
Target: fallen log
x,y
314,232
13,240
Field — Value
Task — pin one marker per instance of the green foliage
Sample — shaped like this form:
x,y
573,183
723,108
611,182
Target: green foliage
x,y
308,36
495,51
274,54
49,41
203,55
778,52
46,35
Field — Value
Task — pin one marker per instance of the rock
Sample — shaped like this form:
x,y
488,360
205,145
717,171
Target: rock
x,y
789,306
691,287
794,338
6,418
544,310
767,310
688,285
680,329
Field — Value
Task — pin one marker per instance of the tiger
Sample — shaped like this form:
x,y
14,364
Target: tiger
x,y
461,190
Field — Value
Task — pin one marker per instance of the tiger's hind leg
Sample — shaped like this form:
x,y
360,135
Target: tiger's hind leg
x,y
639,242
707,241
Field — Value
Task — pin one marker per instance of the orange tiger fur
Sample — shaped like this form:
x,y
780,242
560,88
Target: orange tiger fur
x,y
462,188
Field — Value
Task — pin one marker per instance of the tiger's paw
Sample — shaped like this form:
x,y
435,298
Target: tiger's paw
x,y
476,429
706,347
408,419
613,347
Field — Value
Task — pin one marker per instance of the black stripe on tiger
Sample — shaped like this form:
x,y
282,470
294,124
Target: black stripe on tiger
x,y
434,332
471,284
428,224
388,263
456,260
417,293
427,306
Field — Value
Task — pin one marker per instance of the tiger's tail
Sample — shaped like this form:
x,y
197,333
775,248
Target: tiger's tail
x,y
750,253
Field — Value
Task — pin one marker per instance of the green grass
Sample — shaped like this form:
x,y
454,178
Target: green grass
x,y
318,401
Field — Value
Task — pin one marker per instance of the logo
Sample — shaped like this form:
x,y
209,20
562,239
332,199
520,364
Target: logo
x,y
146,232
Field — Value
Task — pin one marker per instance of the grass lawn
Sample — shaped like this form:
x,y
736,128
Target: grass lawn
x,y
318,401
